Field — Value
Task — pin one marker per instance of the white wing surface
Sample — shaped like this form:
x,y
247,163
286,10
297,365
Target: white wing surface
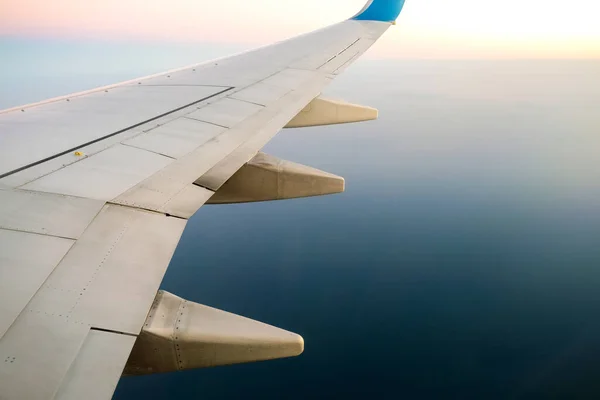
x,y
96,189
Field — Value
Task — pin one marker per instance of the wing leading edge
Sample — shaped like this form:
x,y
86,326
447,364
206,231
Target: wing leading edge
x,y
92,214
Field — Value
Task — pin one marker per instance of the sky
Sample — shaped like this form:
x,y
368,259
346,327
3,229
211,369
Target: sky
x,y
427,29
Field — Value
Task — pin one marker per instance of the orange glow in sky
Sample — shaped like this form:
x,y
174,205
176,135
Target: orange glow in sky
x,y
426,28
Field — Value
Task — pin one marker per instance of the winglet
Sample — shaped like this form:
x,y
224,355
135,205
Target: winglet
x,y
380,10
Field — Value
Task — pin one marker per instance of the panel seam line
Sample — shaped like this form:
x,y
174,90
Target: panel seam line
x,y
206,122
4,228
113,331
52,157
113,203
149,151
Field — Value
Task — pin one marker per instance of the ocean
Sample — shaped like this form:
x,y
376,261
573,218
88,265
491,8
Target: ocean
x,y
462,262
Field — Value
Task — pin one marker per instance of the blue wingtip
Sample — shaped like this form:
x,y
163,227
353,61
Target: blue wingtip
x,y
380,10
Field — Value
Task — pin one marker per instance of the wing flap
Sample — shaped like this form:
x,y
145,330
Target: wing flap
x,y
23,270
36,353
103,353
119,260
107,281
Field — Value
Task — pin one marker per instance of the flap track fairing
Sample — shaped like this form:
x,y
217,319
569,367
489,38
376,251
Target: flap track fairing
x,y
323,111
181,335
266,178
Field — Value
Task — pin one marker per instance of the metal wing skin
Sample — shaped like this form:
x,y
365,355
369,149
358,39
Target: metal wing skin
x,y
96,189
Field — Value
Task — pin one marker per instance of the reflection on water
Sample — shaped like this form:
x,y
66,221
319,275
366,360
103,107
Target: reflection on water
x,y
462,262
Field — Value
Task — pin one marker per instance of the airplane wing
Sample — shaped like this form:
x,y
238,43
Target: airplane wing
x,y
96,189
